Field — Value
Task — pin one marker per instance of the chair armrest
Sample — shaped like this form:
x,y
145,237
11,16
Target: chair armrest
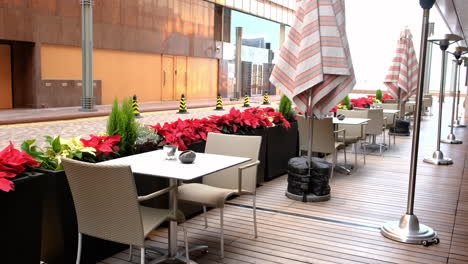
x,y
241,169
155,194
341,131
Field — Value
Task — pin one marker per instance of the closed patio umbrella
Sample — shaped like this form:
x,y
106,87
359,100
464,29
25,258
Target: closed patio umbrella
x,y
402,77
314,67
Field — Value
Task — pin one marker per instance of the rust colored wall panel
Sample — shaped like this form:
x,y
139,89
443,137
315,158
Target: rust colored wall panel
x,y
202,78
175,27
5,77
122,73
62,93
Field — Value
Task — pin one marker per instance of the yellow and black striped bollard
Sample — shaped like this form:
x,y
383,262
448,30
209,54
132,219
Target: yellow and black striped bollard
x,y
182,105
266,100
219,103
246,101
136,109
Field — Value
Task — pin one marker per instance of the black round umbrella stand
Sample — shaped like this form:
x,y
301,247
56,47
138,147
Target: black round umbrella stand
x,y
308,185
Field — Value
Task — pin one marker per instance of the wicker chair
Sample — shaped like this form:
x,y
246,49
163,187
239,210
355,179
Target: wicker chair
x,y
391,120
354,133
107,205
325,139
375,125
219,186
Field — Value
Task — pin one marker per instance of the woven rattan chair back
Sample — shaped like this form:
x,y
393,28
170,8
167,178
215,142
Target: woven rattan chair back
x,y
323,136
233,145
106,202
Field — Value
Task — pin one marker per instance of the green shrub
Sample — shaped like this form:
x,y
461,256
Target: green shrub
x,y
379,95
122,122
346,102
285,107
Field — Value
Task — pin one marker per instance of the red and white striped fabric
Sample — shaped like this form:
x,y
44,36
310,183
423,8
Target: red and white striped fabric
x,y
402,77
315,57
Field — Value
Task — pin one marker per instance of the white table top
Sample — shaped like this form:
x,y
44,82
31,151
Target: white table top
x,y
391,111
350,121
154,163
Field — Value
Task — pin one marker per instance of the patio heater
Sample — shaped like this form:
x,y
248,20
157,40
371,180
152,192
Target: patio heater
x,y
444,42
87,99
451,138
408,229
457,123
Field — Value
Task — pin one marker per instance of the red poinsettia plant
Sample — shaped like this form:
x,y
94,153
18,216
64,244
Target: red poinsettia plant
x,y
12,163
106,146
238,122
183,133
362,102
387,96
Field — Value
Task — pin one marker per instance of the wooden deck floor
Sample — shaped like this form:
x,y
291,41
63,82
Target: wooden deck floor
x,y
346,228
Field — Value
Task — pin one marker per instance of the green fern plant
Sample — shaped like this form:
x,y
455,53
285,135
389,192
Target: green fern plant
x,y
122,122
285,107
379,95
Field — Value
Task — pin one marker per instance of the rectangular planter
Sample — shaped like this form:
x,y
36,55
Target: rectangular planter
x,y
60,229
21,220
281,145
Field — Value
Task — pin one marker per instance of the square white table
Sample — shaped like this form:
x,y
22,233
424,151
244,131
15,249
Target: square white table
x,y
154,163
391,111
350,121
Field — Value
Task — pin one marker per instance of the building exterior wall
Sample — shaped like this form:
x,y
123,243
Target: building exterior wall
x,y
124,73
5,77
130,38
177,27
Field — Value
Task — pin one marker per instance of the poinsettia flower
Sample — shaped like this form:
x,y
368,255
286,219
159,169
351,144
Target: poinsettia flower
x,y
103,144
12,163
6,185
387,96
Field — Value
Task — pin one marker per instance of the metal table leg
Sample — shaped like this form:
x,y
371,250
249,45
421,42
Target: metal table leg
x,y
172,252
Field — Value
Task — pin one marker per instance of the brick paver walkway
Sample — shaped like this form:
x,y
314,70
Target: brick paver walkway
x,y
83,127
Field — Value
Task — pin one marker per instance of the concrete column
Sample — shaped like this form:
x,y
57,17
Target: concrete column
x,y
238,88
87,99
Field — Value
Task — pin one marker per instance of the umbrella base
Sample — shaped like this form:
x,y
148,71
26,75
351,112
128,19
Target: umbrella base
x,y
451,139
438,159
308,197
409,231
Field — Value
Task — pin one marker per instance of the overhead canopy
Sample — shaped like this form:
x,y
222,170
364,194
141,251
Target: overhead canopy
x,y
455,15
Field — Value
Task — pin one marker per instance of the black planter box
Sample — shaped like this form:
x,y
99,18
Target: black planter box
x,y
60,229
21,220
281,145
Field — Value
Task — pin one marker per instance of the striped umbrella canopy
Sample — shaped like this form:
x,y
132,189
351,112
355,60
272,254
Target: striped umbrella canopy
x,y
314,67
402,77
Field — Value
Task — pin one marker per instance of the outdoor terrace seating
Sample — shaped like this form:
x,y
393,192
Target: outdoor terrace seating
x,y
344,229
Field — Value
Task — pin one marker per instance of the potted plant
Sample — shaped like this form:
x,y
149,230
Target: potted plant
x,y
281,140
122,122
59,226
147,139
20,195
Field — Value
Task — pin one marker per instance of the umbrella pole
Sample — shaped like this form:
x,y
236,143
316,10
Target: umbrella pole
x,y
400,106
310,116
408,230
